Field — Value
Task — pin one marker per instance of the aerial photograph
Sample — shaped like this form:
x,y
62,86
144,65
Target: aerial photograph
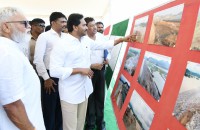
x,y
153,73
121,91
196,37
140,28
138,115
165,26
132,60
187,108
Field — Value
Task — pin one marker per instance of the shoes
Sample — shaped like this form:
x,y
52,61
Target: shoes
x,y
89,127
104,128
101,128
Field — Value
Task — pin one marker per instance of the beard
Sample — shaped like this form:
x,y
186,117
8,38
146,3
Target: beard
x,y
100,31
22,38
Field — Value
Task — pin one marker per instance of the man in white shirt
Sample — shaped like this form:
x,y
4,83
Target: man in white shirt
x,y
95,109
70,62
20,103
100,27
50,95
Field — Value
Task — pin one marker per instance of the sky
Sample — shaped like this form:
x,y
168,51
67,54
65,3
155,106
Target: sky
x,y
195,67
158,56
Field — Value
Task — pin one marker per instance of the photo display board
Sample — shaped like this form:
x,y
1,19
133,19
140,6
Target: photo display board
x,y
158,86
118,30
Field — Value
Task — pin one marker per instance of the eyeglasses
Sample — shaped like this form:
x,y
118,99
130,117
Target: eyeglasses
x,y
26,23
41,25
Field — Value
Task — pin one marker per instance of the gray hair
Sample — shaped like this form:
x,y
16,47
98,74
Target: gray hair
x,y
6,13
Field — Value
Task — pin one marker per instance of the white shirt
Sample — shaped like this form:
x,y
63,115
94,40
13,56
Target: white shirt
x,y
69,54
18,80
43,48
97,56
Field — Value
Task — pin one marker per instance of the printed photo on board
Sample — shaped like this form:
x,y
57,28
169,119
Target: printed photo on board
x,y
153,73
118,30
121,91
140,28
138,115
187,108
196,37
132,60
165,26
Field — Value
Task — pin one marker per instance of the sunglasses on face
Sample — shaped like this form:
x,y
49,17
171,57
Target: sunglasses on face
x,y
41,25
26,23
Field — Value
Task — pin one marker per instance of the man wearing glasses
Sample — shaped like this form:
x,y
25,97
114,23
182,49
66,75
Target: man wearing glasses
x,y
50,96
20,104
37,27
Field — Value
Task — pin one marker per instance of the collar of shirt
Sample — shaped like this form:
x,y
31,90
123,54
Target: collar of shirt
x,y
72,38
55,33
32,38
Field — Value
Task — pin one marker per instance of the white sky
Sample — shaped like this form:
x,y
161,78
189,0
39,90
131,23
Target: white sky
x,y
195,67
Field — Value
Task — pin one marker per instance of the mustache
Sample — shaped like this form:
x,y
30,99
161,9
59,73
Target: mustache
x,y
28,32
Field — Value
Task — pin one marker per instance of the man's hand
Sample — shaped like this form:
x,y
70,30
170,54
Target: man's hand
x,y
87,71
96,66
48,85
130,38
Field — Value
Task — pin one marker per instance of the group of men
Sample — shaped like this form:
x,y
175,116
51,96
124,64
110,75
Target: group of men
x,y
65,63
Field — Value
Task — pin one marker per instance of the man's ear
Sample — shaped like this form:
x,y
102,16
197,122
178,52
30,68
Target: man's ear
x,y
6,28
52,23
75,28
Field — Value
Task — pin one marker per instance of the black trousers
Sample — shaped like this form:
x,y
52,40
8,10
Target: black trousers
x,y
95,110
51,107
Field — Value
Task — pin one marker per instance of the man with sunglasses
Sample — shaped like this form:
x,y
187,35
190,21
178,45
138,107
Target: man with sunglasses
x,y
50,95
37,27
20,104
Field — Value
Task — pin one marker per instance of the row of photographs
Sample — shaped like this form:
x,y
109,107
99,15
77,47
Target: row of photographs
x,y
153,72
165,28
152,77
